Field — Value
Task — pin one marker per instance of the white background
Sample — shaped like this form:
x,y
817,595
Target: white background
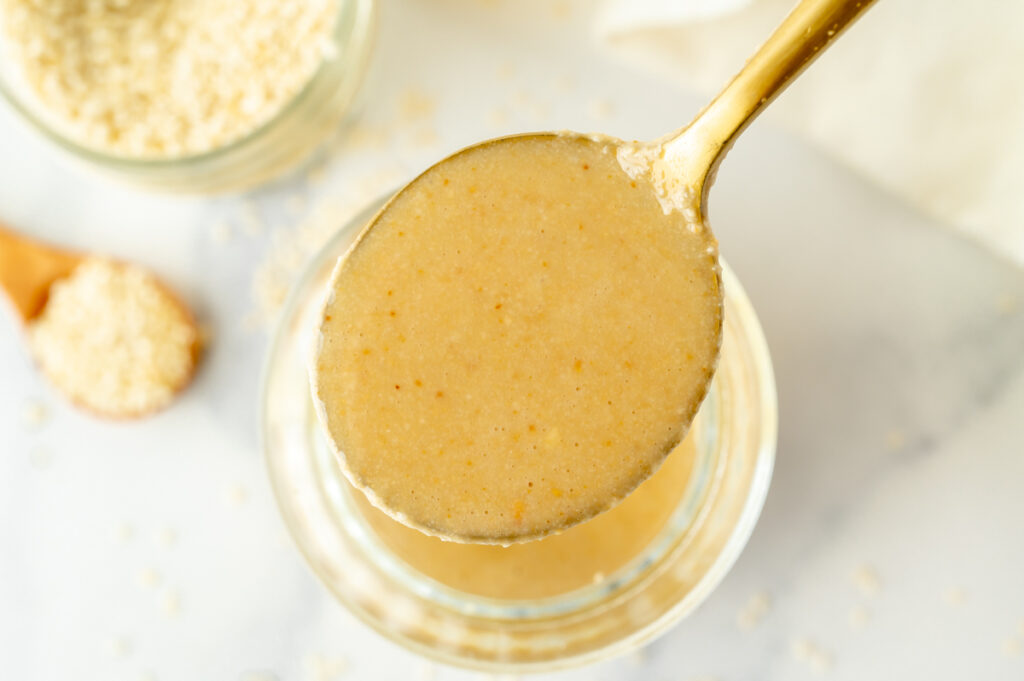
x,y
897,349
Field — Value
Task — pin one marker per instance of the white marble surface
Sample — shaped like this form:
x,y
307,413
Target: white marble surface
x,y
891,545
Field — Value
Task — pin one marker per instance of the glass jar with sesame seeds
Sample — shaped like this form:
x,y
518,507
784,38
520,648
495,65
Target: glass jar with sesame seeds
x,y
599,589
184,96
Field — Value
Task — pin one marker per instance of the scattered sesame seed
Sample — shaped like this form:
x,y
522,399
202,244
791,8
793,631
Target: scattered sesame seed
x,y
895,440
822,662
170,603
125,533
236,495
167,537
119,646
497,118
801,649
1020,627
1012,646
859,617
867,580
34,414
415,105
565,83
366,136
955,596
561,10
148,578
528,105
323,668
148,676
600,109
807,651
1007,304
426,137
754,611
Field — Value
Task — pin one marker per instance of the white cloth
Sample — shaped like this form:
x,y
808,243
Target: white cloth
x,y
924,98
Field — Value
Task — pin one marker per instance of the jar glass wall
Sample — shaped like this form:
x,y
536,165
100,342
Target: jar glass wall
x,y
415,594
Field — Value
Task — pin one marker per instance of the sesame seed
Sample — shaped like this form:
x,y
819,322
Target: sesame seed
x,y
955,596
323,668
167,537
236,495
859,617
34,414
168,78
125,533
416,105
895,440
119,646
114,340
867,580
148,578
170,603
810,653
600,109
754,611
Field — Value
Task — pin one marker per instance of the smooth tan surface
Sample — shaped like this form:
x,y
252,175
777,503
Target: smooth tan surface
x,y
518,341
553,565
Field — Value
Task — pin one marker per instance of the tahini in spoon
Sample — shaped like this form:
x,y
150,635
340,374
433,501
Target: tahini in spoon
x,y
107,334
525,331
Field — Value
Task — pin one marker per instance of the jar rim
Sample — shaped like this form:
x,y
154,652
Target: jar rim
x,y
347,573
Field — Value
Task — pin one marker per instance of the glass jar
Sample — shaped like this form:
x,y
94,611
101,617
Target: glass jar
x,y
732,447
261,154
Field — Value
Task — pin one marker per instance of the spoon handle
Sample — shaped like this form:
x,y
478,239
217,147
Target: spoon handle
x,y
27,269
698,148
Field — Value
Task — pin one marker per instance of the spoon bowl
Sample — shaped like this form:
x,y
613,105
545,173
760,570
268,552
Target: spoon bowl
x,y
110,336
547,370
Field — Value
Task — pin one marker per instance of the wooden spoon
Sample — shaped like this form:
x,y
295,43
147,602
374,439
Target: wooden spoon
x,y
118,357
28,269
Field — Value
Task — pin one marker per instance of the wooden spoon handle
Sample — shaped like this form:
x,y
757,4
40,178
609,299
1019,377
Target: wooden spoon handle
x,y
811,27
28,269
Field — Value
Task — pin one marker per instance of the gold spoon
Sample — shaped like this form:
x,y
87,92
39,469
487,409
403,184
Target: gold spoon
x,y
680,169
107,334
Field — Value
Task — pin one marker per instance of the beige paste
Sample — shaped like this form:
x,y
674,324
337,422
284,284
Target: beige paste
x,y
554,565
518,341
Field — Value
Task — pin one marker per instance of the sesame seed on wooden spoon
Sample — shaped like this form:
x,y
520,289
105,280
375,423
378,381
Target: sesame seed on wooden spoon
x,y
112,338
